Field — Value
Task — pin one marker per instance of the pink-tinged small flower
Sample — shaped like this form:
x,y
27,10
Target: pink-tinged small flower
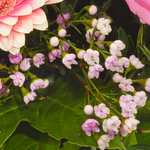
x,y
125,62
128,106
68,60
111,126
92,10
88,109
15,59
29,97
101,111
18,78
93,22
103,26
91,57
140,98
81,54
90,124
60,19
62,32
147,85
116,47
25,64
103,142
136,62
54,41
130,124
123,132
65,46
112,63
94,71
39,83
38,59
125,85
54,54
101,38
117,77
3,89
18,17
141,9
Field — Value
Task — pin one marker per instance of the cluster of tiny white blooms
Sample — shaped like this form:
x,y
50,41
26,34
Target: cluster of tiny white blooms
x,y
111,126
125,85
128,106
147,85
140,98
91,57
103,141
69,59
130,124
116,47
101,111
103,25
136,62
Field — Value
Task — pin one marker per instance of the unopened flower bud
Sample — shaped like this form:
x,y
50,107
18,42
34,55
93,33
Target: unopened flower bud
x,y
54,41
92,10
117,77
62,32
88,109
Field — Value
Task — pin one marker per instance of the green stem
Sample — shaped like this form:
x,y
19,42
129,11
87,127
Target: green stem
x,y
129,138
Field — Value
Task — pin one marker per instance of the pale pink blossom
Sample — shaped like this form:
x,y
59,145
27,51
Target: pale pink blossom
x,y
112,63
88,109
136,62
29,97
39,83
92,10
141,9
103,26
62,32
65,46
18,17
3,89
18,78
54,41
15,59
125,85
123,132
95,70
117,77
111,126
140,98
130,124
25,64
38,59
60,19
90,124
147,85
101,111
103,141
125,61
81,54
68,60
91,57
116,47
54,54
128,106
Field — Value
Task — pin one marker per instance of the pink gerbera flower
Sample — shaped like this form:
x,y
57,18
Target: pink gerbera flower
x,y
18,17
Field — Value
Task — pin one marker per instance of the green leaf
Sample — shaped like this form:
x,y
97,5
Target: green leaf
x,y
27,138
11,113
65,5
68,146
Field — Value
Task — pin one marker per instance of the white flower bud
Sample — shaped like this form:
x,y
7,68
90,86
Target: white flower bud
x,y
92,10
54,41
62,32
88,109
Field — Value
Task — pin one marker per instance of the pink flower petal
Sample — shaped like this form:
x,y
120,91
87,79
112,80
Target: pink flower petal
x,y
9,20
5,29
6,42
24,24
52,1
18,39
34,3
41,27
38,16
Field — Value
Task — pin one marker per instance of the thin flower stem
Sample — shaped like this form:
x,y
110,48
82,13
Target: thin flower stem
x,y
129,138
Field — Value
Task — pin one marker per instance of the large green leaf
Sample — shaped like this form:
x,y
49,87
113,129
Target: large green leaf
x,y
27,138
11,113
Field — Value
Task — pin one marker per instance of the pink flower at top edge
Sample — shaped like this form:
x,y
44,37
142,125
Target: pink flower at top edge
x,y
18,17
141,9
